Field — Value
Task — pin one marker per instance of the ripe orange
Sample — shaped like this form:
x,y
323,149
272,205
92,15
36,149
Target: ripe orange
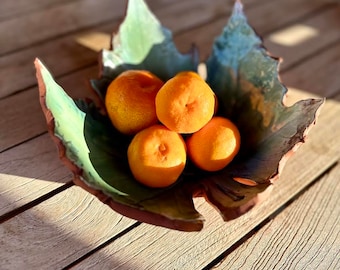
x,y
185,103
215,145
157,156
130,100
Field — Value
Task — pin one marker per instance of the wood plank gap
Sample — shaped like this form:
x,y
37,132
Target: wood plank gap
x,y
302,60
217,18
312,13
56,37
17,13
35,202
249,6
107,242
81,29
102,24
69,72
48,5
308,15
94,63
336,95
27,140
214,263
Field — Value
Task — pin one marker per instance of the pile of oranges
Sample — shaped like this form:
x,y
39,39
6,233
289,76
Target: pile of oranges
x,y
158,114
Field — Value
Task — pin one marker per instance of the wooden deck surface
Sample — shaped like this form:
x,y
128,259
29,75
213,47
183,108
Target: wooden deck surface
x,y
46,222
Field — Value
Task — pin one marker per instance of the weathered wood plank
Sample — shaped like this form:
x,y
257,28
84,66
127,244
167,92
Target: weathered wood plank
x,y
23,126
56,232
81,14
178,250
303,236
317,75
67,209
11,9
30,171
304,38
277,14
69,17
23,107
64,55
64,223
22,117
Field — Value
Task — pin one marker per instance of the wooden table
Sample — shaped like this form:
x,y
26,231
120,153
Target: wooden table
x,y
49,223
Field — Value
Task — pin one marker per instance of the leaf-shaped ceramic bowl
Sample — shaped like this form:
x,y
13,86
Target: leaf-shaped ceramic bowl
x,y
246,82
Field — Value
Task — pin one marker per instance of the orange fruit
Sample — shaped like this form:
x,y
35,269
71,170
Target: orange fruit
x,y
157,156
215,145
130,100
185,103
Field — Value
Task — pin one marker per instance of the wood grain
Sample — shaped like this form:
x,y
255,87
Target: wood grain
x,y
11,9
30,171
22,117
290,12
58,231
178,250
305,235
23,126
69,17
59,209
326,25
310,76
74,228
63,55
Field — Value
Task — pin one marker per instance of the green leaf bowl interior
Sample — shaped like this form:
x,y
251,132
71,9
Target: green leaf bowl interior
x,y
246,81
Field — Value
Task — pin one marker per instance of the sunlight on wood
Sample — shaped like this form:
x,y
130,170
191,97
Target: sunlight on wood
x,y
7,181
202,70
294,35
17,190
293,95
95,41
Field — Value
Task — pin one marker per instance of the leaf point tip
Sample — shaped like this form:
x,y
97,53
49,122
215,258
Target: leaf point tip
x,y
238,7
37,61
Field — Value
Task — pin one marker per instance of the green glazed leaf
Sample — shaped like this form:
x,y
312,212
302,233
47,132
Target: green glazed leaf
x,y
142,43
246,81
97,154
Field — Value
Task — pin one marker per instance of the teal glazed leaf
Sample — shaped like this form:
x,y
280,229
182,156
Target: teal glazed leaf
x,y
142,43
246,81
